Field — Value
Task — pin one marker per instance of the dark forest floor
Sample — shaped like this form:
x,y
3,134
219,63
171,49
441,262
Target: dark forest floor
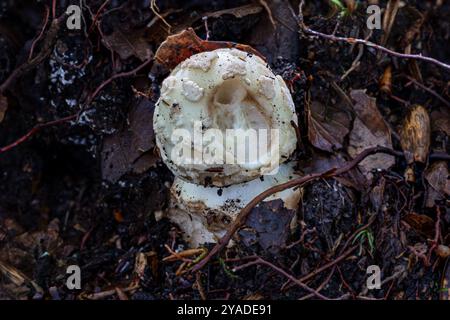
x,y
85,190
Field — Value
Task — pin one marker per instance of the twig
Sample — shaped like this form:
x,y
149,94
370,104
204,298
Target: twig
x,y
321,286
259,260
342,252
431,91
35,130
437,233
118,75
242,216
94,20
45,51
155,9
53,9
47,13
367,43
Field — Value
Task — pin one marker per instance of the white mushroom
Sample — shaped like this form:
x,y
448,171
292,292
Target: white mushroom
x,y
207,95
204,213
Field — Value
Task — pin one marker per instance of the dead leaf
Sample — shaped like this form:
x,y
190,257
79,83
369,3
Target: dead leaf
x,y
438,180
181,46
129,43
130,149
415,135
369,130
3,107
271,222
421,223
327,126
440,120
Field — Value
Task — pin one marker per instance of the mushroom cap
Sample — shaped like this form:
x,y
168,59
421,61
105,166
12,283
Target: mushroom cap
x,y
204,213
221,90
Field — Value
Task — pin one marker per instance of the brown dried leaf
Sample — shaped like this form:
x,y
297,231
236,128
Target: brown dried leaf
x,y
181,46
327,126
438,180
130,149
3,107
127,44
415,135
440,120
369,130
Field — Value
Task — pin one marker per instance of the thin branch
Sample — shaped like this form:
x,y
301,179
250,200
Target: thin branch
x,y
431,91
367,43
47,14
118,75
44,52
261,261
36,128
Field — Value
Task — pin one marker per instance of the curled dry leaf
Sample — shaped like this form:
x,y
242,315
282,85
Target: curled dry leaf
x,y
369,130
415,135
3,107
181,46
438,180
327,126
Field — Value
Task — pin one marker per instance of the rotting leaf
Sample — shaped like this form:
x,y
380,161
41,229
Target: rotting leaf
x,y
181,46
128,44
327,126
440,120
271,222
438,182
415,135
369,130
3,107
130,149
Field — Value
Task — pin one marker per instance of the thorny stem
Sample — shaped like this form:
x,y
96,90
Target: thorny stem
x,y
242,216
367,43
